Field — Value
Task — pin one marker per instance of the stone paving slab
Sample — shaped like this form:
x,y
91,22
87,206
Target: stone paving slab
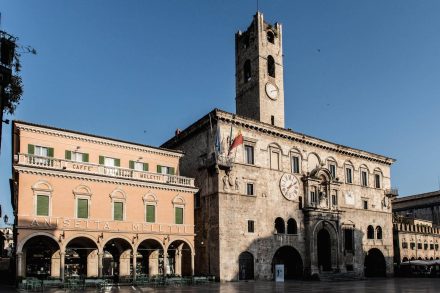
x,y
404,285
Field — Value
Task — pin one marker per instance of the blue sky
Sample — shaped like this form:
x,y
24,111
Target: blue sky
x,y
360,73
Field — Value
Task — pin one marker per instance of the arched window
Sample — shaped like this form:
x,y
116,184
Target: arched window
x,y
404,259
370,232
378,232
291,226
270,37
270,66
279,226
247,70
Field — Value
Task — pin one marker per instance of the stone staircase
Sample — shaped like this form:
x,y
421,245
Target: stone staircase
x,y
339,277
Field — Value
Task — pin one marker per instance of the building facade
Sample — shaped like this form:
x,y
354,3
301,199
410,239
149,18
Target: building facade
x,y
424,206
93,206
415,239
269,195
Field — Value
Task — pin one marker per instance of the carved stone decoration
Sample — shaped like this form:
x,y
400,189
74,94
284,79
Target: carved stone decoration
x,y
323,199
225,183
237,184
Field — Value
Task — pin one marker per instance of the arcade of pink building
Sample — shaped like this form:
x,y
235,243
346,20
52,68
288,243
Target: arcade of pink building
x,y
92,206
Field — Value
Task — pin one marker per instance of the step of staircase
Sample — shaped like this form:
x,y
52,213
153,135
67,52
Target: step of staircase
x,y
339,277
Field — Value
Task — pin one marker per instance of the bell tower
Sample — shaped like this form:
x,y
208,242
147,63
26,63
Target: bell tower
x,y
259,72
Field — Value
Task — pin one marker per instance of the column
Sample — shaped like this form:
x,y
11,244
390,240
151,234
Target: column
x,y
20,264
100,255
134,265
62,261
192,264
165,262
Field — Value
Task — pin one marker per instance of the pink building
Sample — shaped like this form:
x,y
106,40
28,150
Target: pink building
x,y
93,206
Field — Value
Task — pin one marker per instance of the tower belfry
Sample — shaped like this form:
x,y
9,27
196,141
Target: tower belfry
x,y
259,72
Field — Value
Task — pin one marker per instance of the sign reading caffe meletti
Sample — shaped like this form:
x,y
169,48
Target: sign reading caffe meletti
x,y
87,224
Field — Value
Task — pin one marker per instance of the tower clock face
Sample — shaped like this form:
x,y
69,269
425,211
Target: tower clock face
x,y
272,91
289,186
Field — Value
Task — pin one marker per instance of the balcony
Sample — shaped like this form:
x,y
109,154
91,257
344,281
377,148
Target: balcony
x,y
222,161
392,192
89,168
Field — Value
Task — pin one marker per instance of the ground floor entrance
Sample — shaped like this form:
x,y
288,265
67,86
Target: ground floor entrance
x,y
292,261
375,265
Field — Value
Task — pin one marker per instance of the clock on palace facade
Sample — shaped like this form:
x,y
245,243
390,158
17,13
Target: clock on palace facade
x,y
289,186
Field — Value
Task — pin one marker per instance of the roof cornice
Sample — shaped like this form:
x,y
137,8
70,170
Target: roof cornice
x,y
90,138
229,118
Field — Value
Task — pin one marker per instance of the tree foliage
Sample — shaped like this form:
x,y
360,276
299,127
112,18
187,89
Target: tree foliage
x,y
13,93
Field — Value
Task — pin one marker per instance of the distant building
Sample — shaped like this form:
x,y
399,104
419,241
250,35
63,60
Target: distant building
x,y
424,206
6,242
415,239
271,196
93,206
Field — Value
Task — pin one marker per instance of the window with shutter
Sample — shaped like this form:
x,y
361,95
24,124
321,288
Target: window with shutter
x,y
179,215
42,205
151,213
83,208
31,149
118,211
68,155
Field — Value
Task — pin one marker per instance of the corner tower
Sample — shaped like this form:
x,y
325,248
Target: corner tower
x,y
259,72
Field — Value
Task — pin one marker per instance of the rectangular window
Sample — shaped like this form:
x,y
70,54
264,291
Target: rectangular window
x,y
274,160
313,198
405,245
82,208
364,178
348,175
272,120
419,245
365,204
42,205
151,213
251,227
295,164
179,215
249,154
165,170
436,246
335,198
138,166
348,239
425,246
431,246
412,245
377,180
118,211
333,170
40,151
77,157
249,189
